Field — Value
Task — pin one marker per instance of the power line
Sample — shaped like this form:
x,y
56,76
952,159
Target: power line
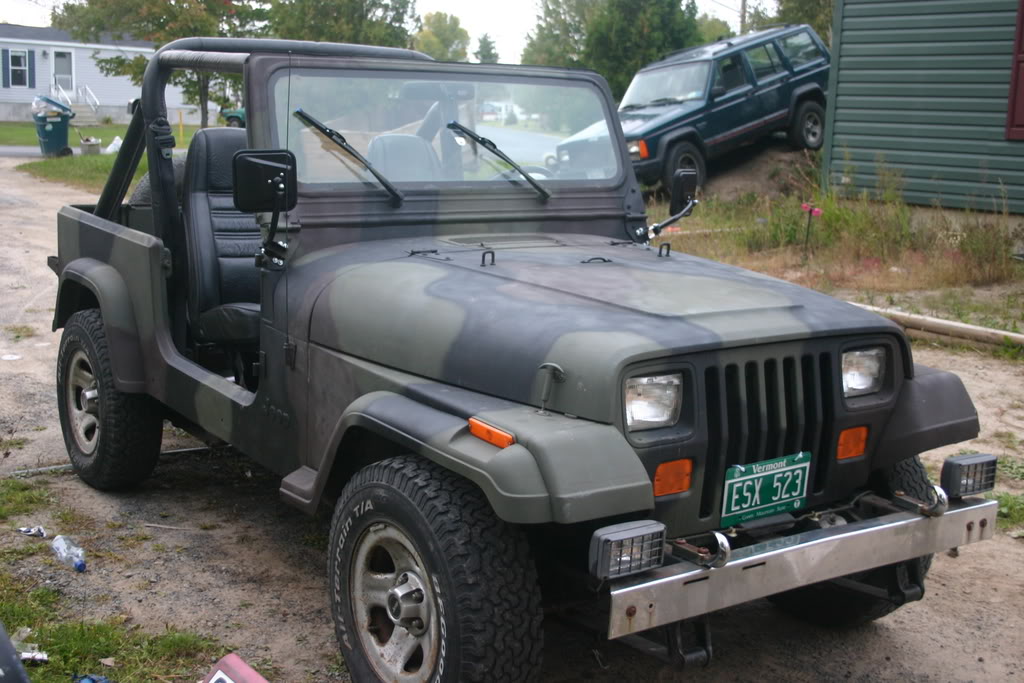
x,y
722,4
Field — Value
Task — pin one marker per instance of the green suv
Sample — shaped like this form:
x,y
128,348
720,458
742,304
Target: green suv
x,y
699,103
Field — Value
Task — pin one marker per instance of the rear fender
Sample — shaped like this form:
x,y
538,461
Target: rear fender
x,y
559,470
88,283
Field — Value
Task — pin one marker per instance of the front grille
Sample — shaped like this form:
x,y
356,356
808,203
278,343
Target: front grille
x,y
764,409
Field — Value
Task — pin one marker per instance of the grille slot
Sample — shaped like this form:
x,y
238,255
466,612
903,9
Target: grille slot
x,y
760,410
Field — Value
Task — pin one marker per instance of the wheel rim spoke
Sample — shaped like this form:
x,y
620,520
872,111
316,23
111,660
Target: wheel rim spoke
x,y
82,400
399,649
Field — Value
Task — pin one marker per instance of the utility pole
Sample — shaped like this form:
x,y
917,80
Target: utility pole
x,y
743,16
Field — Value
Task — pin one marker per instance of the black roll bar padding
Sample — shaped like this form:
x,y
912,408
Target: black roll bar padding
x,y
120,178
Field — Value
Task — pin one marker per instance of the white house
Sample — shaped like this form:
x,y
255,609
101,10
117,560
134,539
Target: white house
x,y
50,62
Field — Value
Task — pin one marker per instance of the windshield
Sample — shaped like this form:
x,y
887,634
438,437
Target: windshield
x,y
667,84
399,122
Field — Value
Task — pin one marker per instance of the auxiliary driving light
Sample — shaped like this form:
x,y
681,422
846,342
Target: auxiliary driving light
x,y
965,475
623,549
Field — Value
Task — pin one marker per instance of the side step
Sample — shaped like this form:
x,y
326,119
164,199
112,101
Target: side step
x,y
298,489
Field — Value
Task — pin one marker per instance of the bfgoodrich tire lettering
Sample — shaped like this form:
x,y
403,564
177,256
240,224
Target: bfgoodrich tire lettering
x,y
406,528
113,438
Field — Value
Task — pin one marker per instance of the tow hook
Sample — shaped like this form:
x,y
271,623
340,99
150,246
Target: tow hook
x,y
936,508
704,557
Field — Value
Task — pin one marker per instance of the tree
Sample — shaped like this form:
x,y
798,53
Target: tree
x,y
712,28
442,37
367,22
160,23
623,36
486,52
559,36
817,13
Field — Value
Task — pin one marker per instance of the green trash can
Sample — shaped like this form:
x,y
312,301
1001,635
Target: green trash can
x,y
52,121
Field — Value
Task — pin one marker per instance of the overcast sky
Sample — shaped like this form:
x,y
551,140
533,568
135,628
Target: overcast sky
x,y
507,21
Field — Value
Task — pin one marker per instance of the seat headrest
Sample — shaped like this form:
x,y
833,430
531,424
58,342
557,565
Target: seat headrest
x,y
210,157
404,157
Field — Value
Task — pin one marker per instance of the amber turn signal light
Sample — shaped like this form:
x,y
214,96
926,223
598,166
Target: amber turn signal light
x,y
492,435
852,443
643,149
673,477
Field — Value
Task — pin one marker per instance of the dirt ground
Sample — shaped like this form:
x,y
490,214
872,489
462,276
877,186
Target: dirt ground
x,y
249,570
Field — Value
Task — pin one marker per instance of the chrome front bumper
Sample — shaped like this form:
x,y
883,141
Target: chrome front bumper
x,y
684,590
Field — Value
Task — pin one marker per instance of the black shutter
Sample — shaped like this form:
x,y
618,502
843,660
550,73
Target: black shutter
x,y
31,68
6,66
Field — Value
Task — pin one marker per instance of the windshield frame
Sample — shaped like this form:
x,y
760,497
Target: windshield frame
x,y
673,65
263,128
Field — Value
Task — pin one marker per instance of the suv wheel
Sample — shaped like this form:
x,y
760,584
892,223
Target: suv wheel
x,y
808,128
113,438
684,155
829,605
426,583
234,122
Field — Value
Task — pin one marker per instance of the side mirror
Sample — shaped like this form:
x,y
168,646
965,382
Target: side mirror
x,y
718,91
684,186
264,180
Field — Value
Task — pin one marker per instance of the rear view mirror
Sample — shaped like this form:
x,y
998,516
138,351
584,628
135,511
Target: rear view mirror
x,y
264,180
684,186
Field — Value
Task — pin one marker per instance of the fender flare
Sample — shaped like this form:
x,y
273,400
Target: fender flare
x,y
550,477
801,93
109,290
689,133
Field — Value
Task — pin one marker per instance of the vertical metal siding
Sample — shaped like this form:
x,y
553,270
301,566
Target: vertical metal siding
x,y
919,90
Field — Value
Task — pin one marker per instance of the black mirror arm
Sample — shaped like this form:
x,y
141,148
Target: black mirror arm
x,y
658,227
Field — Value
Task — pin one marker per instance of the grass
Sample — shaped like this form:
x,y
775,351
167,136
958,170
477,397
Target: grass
x,y
19,332
15,443
88,173
1011,510
76,646
1010,467
24,133
19,497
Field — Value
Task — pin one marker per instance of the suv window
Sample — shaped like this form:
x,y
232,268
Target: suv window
x,y
800,49
729,73
765,62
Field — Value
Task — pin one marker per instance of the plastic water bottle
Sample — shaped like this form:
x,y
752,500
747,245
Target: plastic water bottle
x,y
68,553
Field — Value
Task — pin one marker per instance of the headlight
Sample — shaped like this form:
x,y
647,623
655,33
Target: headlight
x,y
652,401
637,150
563,156
863,371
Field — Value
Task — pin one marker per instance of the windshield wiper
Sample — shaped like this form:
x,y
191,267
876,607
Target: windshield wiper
x,y
337,138
666,100
493,149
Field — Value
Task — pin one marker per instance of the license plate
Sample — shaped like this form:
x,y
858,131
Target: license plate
x,y
765,488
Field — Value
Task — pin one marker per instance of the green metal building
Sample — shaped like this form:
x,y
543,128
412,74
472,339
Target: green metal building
x,y
928,92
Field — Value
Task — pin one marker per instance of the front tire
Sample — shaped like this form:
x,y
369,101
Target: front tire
x,y
234,122
684,155
427,583
808,128
826,604
113,438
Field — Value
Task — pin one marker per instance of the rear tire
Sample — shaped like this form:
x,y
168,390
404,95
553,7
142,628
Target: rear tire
x,y
684,155
113,438
826,604
808,128
419,565
234,122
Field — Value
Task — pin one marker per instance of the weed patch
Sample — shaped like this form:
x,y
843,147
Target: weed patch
x,y
18,497
15,443
77,646
1011,510
1010,467
19,332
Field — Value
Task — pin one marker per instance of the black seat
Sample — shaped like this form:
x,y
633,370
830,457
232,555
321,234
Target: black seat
x,y
223,281
404,158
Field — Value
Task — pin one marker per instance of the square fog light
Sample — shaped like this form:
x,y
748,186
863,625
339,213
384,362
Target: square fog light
x,y
627,548
965,475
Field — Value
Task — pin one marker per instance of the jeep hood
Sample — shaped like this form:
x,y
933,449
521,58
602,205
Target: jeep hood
x,y
590,306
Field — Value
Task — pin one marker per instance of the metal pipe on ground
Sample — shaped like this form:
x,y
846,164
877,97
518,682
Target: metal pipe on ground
x,y
948,328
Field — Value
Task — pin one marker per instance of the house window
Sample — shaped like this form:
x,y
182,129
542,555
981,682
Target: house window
x,y
1015,109
19,69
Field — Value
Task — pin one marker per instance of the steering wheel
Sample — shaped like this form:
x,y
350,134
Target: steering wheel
x,y
512,174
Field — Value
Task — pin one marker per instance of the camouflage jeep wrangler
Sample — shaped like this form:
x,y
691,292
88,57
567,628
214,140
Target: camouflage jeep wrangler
x,y
380,291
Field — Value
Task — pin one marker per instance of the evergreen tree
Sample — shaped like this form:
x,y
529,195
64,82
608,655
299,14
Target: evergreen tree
x,y
486,53
712,28
366,22
559,36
